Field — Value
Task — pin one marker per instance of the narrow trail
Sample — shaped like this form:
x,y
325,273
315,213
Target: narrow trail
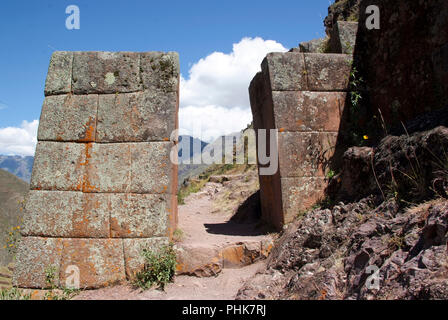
x,y
216,255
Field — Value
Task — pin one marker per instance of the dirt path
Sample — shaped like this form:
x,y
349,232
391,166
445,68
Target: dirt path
x,y
204,223
223,287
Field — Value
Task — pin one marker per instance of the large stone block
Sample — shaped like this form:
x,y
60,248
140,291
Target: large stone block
x,y
35,257
343,37
133,249
285,71
140,215
313,46
300,194
270,200
308,111
108,168
328,72
198,261
66,214
59,77
106,72
58,166
305,154
160,71
144,116
68,118
100,261
152,170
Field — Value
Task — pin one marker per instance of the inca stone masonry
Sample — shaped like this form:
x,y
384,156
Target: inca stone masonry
x,y
103,186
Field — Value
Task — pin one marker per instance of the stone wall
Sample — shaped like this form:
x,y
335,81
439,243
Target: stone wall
x,y
404,64
302,96
103,186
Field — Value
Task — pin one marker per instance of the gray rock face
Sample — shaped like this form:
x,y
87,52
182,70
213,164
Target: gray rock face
x,y
103,185
313,46
326,253
343,37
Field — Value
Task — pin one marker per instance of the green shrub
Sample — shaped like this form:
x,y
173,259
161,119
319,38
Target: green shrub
x,y
159,268
13,294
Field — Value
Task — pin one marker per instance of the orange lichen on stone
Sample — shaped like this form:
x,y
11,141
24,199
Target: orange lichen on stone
x,y
90,131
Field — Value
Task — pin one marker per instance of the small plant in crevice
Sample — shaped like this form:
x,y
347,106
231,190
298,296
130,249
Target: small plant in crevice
x,y
440,183
397,241
324,203
53,292
14,294
330,174
64,294
159,268
50,277
178,235
358,128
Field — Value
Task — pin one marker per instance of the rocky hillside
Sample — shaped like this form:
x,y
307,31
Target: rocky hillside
x,y
381,232
12,194
401,227
192,177
18,165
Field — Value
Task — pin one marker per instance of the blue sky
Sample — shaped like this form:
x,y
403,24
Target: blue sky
x,y
31,30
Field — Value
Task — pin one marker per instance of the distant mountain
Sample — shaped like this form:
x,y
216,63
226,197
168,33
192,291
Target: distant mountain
x,y
18,166
189,146
196,167
12,192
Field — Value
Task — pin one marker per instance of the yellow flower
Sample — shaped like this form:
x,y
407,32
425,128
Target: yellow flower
x,y
366,137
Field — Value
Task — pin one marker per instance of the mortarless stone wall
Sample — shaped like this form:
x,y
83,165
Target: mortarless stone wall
x,y
103,186
302,96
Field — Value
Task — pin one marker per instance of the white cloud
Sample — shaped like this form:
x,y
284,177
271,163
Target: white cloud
x,y
216,92
210,122
215,96
19,140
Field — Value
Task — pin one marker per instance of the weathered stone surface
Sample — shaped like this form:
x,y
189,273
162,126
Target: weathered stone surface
x,y
133,249
143,116
108,168
313,46
59,77
34,257
66,214
106,72
103,184
58,166
100,261
140,215
305,153
308,111
408,247
341,10
343,37
198,261
240,255
271,200
152,170
299,194
285,71
328,72
400,63
68,118
160,71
